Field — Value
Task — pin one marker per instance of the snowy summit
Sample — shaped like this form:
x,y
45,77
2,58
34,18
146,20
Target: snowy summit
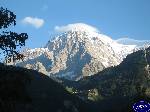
x,y
78,52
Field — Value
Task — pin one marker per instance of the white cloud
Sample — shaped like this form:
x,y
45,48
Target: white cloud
x,y
36,22
130,41
76,27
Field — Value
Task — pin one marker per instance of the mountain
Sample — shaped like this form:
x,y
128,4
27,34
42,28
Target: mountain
x,y
121,75
23,90
79,51
117,87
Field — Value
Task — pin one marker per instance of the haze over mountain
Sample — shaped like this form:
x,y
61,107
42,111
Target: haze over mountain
x,y
130,41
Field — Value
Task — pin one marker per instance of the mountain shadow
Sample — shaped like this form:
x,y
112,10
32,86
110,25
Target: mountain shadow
x,y
23,90
117,87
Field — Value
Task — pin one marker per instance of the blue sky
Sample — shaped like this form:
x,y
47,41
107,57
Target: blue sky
x,y
115,18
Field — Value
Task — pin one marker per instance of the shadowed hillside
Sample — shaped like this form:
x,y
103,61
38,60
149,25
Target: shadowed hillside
x,y
117,87
23,90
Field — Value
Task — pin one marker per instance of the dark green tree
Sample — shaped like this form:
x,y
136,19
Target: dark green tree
x,y
10,42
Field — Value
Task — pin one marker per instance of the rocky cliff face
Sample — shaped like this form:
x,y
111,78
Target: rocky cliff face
x,y
76,53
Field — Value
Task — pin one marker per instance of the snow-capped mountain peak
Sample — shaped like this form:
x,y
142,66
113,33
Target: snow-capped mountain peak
x,y
79,51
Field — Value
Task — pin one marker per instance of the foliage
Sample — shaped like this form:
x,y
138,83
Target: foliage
x,y
13,91
24,90
118,87
70,90
94,95
10,42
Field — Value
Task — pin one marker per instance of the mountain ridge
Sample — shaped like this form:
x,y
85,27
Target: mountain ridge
x,y
120,86
77,53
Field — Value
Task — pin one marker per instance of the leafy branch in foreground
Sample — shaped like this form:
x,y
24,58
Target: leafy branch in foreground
x,y
10,42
